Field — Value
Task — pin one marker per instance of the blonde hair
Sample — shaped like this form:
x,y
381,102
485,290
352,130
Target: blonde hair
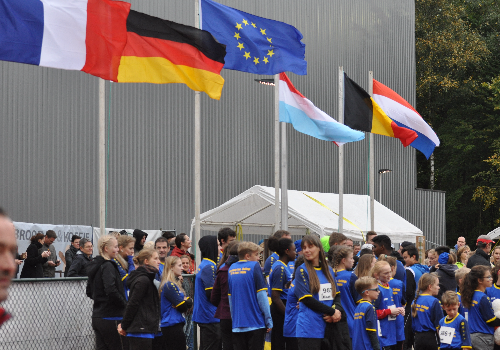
x,y
168,275
379,265
390,259
462,250
364,283
115,234
105,241
144,254
123,241
245,248
149,245
449,298
425,281
364,266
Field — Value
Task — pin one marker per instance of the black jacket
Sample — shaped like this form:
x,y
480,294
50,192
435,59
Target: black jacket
x,y
447,281
33,264
105,287
142,314
70,256
79,266
479,258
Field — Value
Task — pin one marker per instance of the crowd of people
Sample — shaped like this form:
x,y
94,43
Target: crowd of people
x,y
328,293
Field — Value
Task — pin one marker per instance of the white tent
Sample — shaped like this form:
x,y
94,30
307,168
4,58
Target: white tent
x,y
318,212
495,233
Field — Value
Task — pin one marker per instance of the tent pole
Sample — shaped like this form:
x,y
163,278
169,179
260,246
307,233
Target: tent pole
x,y
341,151
372,163
276,153
197,156
102,156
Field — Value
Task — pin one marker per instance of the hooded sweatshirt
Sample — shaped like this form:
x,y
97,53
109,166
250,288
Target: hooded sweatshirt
x,y
447,281
105,287
138,235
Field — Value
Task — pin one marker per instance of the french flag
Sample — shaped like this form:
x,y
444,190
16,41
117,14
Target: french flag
x,y
309,119
85,35
404,115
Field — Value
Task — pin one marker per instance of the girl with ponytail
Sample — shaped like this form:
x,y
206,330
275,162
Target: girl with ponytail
x,y
426,313
482,320
315,288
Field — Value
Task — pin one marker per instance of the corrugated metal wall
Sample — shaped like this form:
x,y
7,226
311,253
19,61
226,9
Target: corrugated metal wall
x,y
48,137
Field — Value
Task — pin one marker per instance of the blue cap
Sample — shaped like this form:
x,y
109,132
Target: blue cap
x,y
297,243
443,258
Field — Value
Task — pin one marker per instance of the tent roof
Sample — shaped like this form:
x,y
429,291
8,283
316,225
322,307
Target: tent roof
x,y
254,211
495,233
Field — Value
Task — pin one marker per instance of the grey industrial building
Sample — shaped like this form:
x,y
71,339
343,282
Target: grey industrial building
x,y
49,133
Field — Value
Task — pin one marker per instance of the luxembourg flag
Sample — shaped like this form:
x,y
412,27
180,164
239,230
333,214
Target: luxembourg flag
x,y
404,115
85,35
309,119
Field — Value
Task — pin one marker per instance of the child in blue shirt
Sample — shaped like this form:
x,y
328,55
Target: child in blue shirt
x,y
364,336
279,282
272,245
248,299
493,292
453,329
426,313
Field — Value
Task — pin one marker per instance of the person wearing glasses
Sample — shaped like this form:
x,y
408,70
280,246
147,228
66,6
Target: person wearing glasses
x,y
365,317
482,320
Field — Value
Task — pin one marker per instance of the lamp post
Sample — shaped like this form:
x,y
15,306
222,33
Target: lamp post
x,y
380,172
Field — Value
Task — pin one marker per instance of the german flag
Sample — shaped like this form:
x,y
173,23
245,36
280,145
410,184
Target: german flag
x,y
162,52
361,112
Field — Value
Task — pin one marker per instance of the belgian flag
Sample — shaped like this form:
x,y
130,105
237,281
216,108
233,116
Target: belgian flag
x,y
161,52
362,113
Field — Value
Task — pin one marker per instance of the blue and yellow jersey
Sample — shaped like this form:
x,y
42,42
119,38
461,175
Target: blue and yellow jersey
x,y
461,337
480,314
171,298
365,320
278,279
493,292
291,313
271,259
204,310
348,295
429,313
397,296
387,332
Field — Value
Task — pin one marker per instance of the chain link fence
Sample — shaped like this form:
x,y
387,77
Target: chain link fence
x,y
55,313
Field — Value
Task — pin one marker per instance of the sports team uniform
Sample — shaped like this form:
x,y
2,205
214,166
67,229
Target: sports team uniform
x,y
493,292
461,335
348,296
365,321
204,310
387,325
480,314
397,296
278,280
429,313
291,313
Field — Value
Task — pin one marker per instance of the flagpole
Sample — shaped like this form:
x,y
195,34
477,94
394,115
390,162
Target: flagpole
x,y
372,162
102,157
276,153
341,151
197,156
284,166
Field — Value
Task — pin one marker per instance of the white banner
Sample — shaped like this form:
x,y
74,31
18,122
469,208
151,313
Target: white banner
x,y
25,230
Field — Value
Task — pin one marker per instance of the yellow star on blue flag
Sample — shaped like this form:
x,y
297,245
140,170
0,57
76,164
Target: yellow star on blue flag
x,y
276,44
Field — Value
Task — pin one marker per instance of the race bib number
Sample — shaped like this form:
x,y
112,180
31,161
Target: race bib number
x,y
466,316
446,335
379,330
325,291
390,317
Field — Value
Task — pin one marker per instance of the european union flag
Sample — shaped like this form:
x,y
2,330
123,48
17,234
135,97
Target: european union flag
x,y
254,44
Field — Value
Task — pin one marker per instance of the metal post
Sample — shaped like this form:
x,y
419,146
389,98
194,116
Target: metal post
x,y
102,156
380,187
341,151
372,163
284,180
277,224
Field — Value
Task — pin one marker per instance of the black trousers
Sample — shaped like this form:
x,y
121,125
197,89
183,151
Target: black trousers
x,y
226,331
253,340
137,343
291,343
173,337
426,341
210,338
278,341
309,343
106,335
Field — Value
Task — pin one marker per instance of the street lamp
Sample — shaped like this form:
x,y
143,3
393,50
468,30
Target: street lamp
x,y
380,172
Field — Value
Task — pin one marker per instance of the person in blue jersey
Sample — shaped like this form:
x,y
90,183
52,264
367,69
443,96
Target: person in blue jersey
x,y
453,329
459,277
315,289
386,309
364,336
482,320
399,300
125,259
279,282
292,311
493,292
414,271
173,304
220,296
162,247
105,287
343,260
141,318
248,301
204,310
382,245
225,236
426,313
272,245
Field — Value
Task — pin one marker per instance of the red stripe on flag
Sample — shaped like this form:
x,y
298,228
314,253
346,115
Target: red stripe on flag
x,y
292,88
406,136
106,37
381,89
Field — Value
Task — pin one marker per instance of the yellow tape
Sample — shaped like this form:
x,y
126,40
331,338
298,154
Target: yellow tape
x,y
346,220
239,232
